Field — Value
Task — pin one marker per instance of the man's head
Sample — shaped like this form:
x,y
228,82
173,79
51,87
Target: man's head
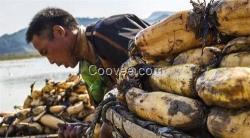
x,y
53,32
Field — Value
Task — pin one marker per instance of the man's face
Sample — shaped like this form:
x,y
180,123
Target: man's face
x,y
58,50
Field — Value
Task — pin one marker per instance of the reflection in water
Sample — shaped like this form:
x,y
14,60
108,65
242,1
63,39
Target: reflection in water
x,y
17,75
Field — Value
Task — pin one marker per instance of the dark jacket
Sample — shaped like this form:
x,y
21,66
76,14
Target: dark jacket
x,y
110,37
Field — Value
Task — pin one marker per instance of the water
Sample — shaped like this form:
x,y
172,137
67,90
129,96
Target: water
x,y
16,76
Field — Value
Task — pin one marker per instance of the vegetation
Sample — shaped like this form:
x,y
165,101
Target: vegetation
x,y
18,56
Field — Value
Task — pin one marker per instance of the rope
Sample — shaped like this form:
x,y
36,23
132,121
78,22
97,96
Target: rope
x,y
90,130
132,50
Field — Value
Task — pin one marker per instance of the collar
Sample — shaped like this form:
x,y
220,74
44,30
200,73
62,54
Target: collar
x,y
83,48
80,44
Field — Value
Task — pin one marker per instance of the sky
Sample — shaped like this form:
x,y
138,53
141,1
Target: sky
x,y
16,14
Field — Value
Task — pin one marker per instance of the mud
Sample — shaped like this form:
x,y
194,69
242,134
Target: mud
x,y
180,106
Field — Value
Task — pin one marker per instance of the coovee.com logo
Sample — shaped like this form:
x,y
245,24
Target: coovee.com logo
x,y
131,71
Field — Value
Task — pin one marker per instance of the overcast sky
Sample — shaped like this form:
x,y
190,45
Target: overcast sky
x,y
16,14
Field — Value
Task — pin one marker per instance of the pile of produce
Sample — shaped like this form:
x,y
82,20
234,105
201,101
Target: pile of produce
x,y
200,78
43,111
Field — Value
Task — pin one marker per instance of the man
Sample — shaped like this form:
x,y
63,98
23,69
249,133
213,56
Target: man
x,y
56,35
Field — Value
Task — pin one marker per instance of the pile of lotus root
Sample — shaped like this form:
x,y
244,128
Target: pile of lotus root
x,y
199,65
45,110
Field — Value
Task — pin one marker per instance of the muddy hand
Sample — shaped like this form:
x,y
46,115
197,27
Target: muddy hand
x,y
70,131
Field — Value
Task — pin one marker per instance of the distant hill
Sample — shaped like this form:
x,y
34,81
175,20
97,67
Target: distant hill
x,y
87,21
157,16
15,44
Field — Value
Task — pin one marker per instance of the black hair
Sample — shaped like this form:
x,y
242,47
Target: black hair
x,y
45,19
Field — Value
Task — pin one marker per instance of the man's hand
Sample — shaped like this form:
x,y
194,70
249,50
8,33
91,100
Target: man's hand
x,y
71,130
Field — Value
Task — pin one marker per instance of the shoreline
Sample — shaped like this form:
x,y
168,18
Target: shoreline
x,y
17,57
